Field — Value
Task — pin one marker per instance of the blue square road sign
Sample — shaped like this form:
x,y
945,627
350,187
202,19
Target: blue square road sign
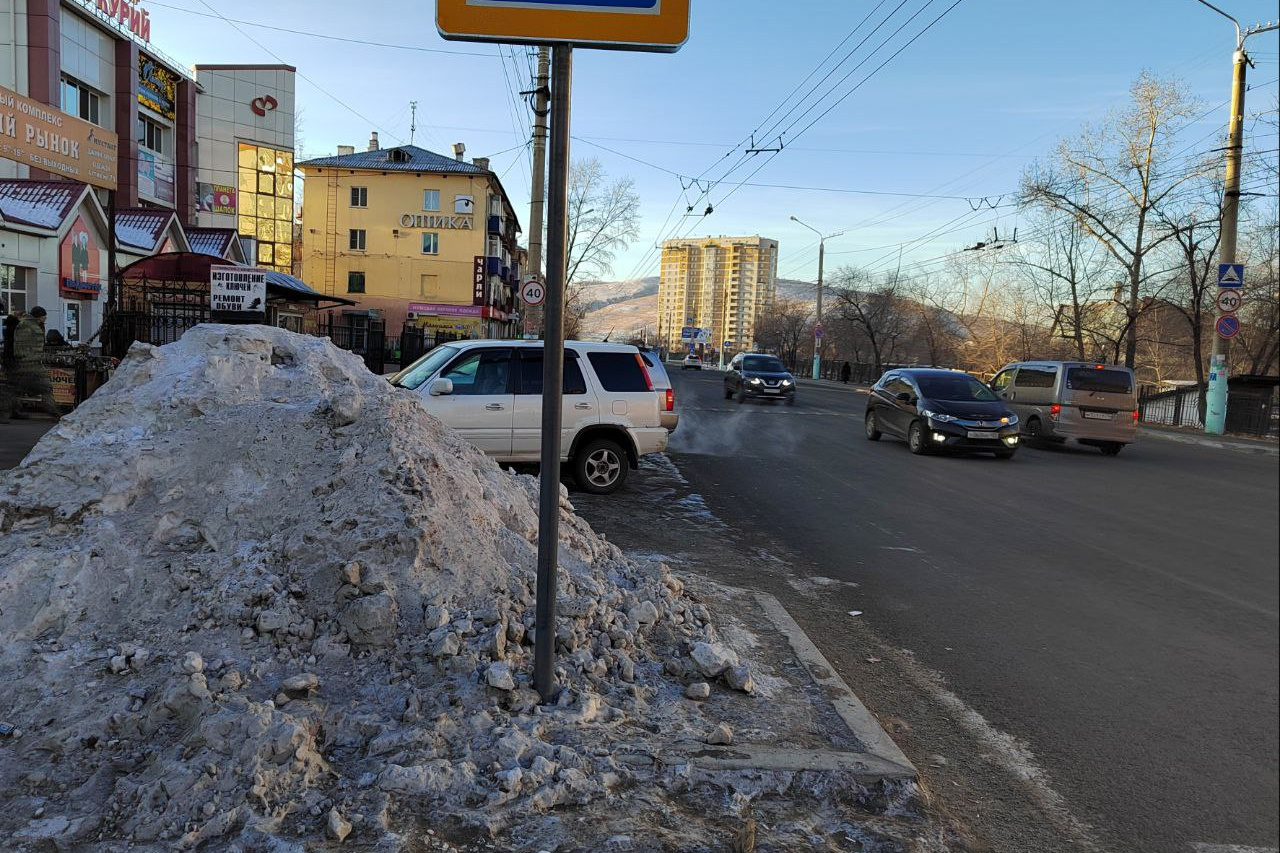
x,y
1230,275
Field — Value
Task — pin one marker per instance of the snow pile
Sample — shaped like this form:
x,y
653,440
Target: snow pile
x,y
251,597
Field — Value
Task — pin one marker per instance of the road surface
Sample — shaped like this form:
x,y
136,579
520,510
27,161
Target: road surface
x,y
1075,649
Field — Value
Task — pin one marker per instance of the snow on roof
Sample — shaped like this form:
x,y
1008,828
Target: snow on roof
x,y
142,227
211,241
43,204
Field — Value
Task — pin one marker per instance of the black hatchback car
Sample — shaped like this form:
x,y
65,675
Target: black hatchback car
x,y
941,410
759,376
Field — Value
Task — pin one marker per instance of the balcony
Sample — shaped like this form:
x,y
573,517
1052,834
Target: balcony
x,y
495,225
493,265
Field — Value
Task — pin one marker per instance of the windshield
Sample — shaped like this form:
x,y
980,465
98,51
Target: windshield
x,y
422,369
762,364
1100,381
958,388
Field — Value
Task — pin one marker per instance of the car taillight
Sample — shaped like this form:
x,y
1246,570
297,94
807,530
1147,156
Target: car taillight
x,y
1054,411
670,401
1135,416
644,368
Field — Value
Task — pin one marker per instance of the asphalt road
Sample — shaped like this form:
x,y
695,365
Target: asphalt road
x,y
1101,633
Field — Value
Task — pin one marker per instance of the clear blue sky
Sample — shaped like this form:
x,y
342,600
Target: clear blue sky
x,y
961,111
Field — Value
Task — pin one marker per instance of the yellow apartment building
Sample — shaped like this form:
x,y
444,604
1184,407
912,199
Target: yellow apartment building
x,y
724,284
415,237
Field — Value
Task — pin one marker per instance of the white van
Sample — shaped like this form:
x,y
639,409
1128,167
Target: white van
x,y
1093,404
491,393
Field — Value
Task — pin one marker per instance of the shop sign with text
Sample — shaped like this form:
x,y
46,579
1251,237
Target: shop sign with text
x,y
216,198
433,220
46,138
479,280
128,14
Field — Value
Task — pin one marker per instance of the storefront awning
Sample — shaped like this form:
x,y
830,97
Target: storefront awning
x,y
193,267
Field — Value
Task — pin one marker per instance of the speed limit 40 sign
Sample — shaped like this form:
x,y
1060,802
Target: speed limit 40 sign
x,y
532,292
1229,301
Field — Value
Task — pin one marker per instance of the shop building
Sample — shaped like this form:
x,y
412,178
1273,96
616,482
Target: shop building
x,y
724,284
92,112
414,237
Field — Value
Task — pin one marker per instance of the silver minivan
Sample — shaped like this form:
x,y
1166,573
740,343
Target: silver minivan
x,y
1093,404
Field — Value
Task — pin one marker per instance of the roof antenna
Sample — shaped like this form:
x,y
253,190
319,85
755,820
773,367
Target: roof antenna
x,y
606,337
413,119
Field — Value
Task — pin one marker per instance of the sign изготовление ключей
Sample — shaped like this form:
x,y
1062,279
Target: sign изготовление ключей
x,y
237,294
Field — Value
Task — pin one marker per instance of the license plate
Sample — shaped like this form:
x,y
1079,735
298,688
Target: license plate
x,y
989,435
1100,416
771,390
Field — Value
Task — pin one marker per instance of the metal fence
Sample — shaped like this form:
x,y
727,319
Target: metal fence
x,y
1250,411
362,336
413,343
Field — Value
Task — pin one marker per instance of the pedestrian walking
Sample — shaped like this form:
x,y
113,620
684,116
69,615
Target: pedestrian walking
x,y
31,376
8,400
845,372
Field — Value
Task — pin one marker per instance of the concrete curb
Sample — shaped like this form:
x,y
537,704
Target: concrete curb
x,y
866,728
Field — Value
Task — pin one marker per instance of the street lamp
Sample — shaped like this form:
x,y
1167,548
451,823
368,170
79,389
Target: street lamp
x,y
817,329
1215,416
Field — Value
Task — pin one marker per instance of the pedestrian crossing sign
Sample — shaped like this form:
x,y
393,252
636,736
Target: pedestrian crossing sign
x,y
1230,275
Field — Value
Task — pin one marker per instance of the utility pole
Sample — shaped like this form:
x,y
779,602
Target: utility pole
x,y
1215,419
817,329
413,119
537,196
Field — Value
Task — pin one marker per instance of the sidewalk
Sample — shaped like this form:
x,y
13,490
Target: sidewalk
x,y
1240,444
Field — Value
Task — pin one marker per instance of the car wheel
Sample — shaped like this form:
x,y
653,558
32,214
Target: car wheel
x,y
742,396
728,393
1111,448
600,467
916,439
1035,430
871,422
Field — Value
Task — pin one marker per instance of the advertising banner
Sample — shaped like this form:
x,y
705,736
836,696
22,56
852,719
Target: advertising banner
x,y
49,139
216,198
79,263
155,176
237,294
479,280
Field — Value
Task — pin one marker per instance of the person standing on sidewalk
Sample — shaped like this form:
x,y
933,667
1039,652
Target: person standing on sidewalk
x,y
8,401
32,377
845,372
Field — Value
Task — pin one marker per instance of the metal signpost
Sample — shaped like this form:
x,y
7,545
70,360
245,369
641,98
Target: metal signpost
x,y
648,25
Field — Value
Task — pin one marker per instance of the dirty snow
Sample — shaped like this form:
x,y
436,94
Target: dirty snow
x,y
253,598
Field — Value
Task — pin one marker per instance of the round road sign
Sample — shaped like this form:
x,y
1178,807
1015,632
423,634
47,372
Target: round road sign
x,y
1229,301
1228,326
532,292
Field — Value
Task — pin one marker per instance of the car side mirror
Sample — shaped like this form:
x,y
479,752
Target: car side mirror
x,y
440,387
903,397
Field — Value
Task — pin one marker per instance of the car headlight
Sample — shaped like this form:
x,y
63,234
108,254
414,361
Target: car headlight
x,y
941,417
1009,420
754,380
786,383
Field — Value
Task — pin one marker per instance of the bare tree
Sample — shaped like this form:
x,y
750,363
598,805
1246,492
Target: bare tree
x,y
1113,177
604,218
876,311
785,328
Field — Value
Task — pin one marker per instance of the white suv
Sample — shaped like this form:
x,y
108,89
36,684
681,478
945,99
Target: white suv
x,y
491,393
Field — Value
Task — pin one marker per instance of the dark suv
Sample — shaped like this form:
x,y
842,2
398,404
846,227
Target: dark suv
x,y
941,410
759,376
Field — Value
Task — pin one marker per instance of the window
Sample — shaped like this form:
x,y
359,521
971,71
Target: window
x,y
355,282
151,135
1035,377
13,287
79,100
418,372
480,373
464,204
430,243
1099,380
431,199
264,177
359,196
619,371
292,322
529,378
959,387
1003,379
356,240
